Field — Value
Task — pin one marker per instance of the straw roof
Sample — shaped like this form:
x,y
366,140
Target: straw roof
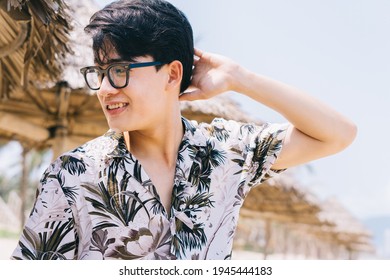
x,y
285,199
43,99
33,42
221,106
346,229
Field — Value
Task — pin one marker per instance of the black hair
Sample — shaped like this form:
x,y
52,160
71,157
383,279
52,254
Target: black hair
x,y
136,28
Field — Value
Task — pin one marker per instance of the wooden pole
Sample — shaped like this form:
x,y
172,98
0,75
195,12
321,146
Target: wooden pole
x,y
267,237
61,129
23,185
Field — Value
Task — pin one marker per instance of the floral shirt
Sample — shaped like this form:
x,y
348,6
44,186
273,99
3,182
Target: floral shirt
x,y
97,202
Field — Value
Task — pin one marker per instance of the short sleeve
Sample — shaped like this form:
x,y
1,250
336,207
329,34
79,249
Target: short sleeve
x,y
265,146
257,147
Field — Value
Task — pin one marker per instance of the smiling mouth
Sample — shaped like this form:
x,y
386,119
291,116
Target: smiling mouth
x,y
116,106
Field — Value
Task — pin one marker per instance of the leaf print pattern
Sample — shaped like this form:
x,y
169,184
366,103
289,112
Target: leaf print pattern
x,y
73,165
194,237
205,160
112,213
101,241
265,148
151,242
219,132
97,202
47,246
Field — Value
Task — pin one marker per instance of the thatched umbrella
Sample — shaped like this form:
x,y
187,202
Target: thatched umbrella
x,y
281,200
43,99
347,230
221,106
33,42
286,199
27,59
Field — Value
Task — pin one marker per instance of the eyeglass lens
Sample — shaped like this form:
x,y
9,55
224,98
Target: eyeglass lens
x,y
116,75
92,78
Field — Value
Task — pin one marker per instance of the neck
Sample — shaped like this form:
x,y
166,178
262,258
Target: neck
x,y
160,142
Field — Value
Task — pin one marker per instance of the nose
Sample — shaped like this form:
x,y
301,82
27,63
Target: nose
x,y
106,88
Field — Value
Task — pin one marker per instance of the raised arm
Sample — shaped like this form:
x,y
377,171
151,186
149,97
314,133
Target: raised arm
x,y
316,129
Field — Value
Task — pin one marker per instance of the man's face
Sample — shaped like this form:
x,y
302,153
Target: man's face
x,y
141,104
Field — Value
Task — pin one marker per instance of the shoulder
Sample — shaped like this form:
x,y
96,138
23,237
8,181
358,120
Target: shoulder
x,y
88,155
219,130
215,125
233,133
201,132
222,128
99,147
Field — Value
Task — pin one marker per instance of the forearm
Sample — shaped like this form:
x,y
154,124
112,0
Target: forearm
x,y
304,112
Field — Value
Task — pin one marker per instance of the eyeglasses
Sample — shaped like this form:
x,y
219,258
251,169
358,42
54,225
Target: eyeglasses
x,y
117,73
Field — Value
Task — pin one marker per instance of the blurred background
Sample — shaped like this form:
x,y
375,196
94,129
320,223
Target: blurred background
x,y
338,51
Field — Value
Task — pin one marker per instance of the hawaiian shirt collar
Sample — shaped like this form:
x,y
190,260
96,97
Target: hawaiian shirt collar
x,y
192,136
119,145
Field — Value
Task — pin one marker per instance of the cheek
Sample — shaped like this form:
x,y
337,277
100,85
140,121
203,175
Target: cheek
x,y
147,95
148,106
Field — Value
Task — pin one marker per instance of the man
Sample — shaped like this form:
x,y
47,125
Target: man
x,y
158,186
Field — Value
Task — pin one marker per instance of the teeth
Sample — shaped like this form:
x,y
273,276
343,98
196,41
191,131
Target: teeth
x,y
116,106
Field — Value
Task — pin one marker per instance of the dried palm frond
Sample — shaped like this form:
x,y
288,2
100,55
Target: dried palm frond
x,y
46,24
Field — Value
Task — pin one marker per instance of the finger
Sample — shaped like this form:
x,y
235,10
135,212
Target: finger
x,y
198,52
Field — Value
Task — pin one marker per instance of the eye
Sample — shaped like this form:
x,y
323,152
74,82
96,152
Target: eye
x,y
119,70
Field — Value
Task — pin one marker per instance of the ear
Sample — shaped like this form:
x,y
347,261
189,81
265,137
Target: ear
x,y
175,74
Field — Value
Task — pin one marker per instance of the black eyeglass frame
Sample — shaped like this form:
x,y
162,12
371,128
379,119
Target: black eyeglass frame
x,y
104,72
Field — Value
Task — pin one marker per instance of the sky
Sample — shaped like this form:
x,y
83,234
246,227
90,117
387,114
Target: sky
x,y
337,51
